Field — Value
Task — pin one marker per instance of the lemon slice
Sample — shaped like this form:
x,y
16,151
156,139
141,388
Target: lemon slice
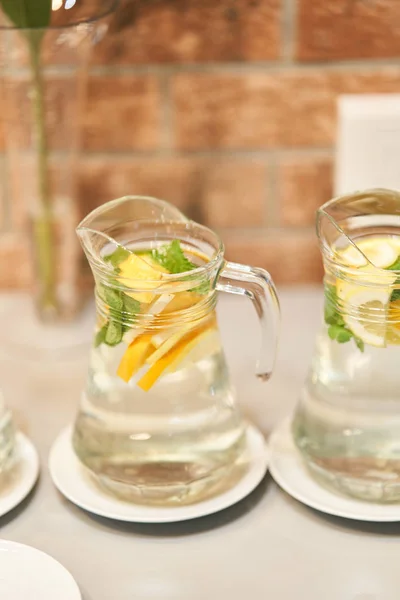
x,y
379,251
382,252
393,329
136,271
368,307
352,257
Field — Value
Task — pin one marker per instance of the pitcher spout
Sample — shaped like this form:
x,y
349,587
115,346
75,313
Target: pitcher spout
x,y
110,223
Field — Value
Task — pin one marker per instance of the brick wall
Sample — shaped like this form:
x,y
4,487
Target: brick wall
x,y
227,108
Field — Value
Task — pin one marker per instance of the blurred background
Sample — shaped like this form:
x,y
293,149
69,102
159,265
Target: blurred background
x,y
228,109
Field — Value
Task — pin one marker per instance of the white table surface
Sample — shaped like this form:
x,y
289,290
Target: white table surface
x,y
267,547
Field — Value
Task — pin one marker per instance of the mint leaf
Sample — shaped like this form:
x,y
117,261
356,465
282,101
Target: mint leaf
x,y
100,336
359,343
131,305
333,331
117,257
395,294
344,335
339,333
32,14
337,330
114,333
395,266
203,288
171,257
111,297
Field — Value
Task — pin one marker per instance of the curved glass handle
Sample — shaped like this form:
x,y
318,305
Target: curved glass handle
x,y
257,285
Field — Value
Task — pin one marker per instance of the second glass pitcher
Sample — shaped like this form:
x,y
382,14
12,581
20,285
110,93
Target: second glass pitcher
x,y
347,424
158,421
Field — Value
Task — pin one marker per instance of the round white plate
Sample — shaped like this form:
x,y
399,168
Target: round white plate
x,y
72,480
290,473
21,478
28,573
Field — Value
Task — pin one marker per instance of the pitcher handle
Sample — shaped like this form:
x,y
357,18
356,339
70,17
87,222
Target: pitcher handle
x,y
256,284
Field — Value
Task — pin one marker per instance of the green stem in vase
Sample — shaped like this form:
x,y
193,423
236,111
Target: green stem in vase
x,y
32,17
43,220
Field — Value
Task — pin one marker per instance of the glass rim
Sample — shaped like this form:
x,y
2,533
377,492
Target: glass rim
x,y
113,5
324,212
212,265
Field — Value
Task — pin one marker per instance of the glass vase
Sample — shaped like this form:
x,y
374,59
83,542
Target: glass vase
x,y
43,82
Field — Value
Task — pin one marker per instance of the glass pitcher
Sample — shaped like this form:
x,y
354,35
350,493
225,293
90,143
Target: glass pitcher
x,y
7,438
158,421
347,424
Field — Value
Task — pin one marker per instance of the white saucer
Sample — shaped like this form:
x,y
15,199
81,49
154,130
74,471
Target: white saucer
x,y
291,474
21,478
28,573
72,480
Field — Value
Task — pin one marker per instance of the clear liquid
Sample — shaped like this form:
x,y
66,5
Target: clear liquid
x,y
172,444
7,439
177,441
347,423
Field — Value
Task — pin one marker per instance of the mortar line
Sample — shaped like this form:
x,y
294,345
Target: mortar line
x,y
229,68
262,155
272,209
166,113
288,30
5,206
272,233
219,68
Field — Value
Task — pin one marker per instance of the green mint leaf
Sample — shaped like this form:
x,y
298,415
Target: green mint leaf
x,y
117,257
331,314
344,335
395,294
202,289
113,334
395,266
111,297
333,331
131,305
171,257
359,343
339,333
100,336
33,14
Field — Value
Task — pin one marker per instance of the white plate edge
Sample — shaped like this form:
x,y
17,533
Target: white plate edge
x,y
255,476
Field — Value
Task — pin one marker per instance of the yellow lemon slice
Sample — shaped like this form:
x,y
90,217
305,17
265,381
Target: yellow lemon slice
x,y
393,329
135,271
205,345
365,313
381,251
352,257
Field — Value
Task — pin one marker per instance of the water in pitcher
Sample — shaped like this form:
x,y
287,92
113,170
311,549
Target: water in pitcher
x,y
7,437
347,424
157,420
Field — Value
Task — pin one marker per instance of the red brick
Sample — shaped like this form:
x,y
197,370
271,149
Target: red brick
x,y
267,110
348,29
234,194
217,194
289,257
123,113
303,184
188,31
174,180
